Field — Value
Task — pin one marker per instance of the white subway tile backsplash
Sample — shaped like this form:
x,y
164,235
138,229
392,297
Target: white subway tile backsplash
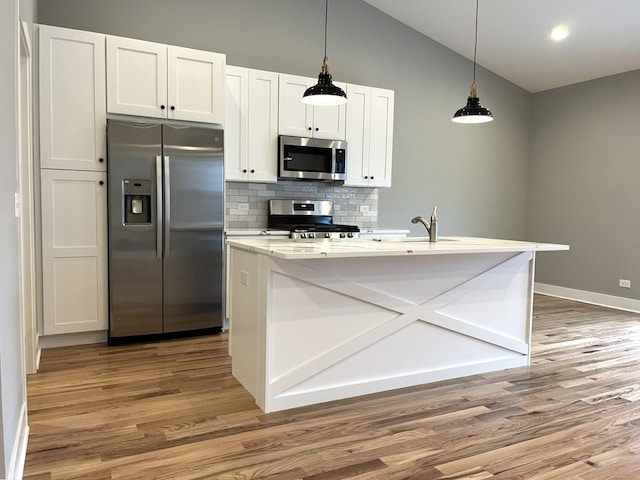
x,y
237,198
346,202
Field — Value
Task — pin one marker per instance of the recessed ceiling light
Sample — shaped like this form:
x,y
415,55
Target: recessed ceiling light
x,y
559,33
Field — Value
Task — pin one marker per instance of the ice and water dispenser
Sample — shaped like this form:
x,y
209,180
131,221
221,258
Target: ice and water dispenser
x,y
137,201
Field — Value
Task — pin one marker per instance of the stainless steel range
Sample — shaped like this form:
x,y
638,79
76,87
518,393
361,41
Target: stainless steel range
x,y
308,220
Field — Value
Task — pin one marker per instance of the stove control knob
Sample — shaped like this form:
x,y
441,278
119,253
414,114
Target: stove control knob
x,y
327,235
303,235
350,235
312,235
342,235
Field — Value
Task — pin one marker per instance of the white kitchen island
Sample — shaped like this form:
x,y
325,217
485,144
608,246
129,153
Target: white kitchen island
x,y
313,322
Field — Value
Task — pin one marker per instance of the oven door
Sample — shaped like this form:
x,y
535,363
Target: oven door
x,y
310,159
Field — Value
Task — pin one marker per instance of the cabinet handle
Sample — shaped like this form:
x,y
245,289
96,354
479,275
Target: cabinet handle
x,y
101,160
253,171
371,178
317,129
365,177
309,128
101,182
244,171
161,107
172,107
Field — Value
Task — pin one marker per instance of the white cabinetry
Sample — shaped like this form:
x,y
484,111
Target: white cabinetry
x,y
72,180
74,251
251,125
239,235
301,120
154,80
72,99
369,134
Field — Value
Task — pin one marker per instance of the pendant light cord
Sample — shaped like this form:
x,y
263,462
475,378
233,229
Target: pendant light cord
x,y
475,44
326,20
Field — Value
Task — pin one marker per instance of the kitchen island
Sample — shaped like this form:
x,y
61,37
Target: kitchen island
x,y
317,321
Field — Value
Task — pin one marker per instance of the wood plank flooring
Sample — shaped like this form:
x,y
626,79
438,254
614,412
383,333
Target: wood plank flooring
x,y
172,410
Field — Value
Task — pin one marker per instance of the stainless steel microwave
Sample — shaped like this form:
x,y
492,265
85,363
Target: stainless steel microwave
x,y
312,159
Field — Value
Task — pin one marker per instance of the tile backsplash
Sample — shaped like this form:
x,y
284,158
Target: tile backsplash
x,y
246,203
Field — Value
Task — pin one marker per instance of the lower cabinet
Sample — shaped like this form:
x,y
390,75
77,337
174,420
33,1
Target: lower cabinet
x,y
74,251
241,235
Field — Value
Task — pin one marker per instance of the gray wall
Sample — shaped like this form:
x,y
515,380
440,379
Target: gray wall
x,y
584,184
476,174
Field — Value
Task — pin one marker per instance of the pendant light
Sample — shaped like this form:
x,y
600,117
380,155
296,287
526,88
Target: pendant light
x,y
473,112
325,92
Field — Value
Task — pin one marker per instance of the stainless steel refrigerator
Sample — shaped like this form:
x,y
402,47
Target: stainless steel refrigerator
x,y
166,218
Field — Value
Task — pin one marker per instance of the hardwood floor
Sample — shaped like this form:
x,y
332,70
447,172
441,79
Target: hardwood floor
x,y
172,410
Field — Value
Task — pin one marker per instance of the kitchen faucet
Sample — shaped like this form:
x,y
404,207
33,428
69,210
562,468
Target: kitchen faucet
x,y
431,226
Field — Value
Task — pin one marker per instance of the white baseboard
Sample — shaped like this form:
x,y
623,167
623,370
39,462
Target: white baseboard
x,y
71,339
38,355
610,301
19,451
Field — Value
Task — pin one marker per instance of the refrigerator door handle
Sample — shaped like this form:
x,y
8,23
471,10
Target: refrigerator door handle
x,y
158,206
167,206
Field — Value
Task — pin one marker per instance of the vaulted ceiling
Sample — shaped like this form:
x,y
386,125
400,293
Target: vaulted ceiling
x,y
514,36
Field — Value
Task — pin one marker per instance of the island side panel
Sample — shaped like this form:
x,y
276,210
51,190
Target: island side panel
x,y
246,322
338,328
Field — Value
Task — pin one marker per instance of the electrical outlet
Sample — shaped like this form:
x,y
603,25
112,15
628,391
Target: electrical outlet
x,y
244,278
624,283
243,207
364,208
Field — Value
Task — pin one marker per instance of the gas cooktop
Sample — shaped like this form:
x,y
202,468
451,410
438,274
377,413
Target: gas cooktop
x,y
308,220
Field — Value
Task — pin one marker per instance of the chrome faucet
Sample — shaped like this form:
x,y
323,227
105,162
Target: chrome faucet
x,y
431,226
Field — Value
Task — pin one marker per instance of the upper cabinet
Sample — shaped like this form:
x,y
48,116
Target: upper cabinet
x,y
369,136
251,125
160,81
72,99
301,120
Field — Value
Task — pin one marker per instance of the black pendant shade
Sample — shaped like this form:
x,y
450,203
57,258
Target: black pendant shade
x,y
324,92
473,112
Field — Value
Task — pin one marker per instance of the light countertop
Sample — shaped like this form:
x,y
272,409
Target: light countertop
x,y
292,250
255,232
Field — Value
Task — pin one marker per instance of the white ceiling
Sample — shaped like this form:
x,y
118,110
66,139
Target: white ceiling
x,y
513,36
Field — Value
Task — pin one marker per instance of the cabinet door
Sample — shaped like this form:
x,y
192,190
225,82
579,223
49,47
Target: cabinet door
x,y
251,125
236,123
136,77
369,136
72,99
263,126
301,120
381,143
295,117
195,85
358,131
74,251
329,121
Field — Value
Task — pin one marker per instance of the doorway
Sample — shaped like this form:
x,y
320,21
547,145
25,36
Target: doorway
x,y
25,204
